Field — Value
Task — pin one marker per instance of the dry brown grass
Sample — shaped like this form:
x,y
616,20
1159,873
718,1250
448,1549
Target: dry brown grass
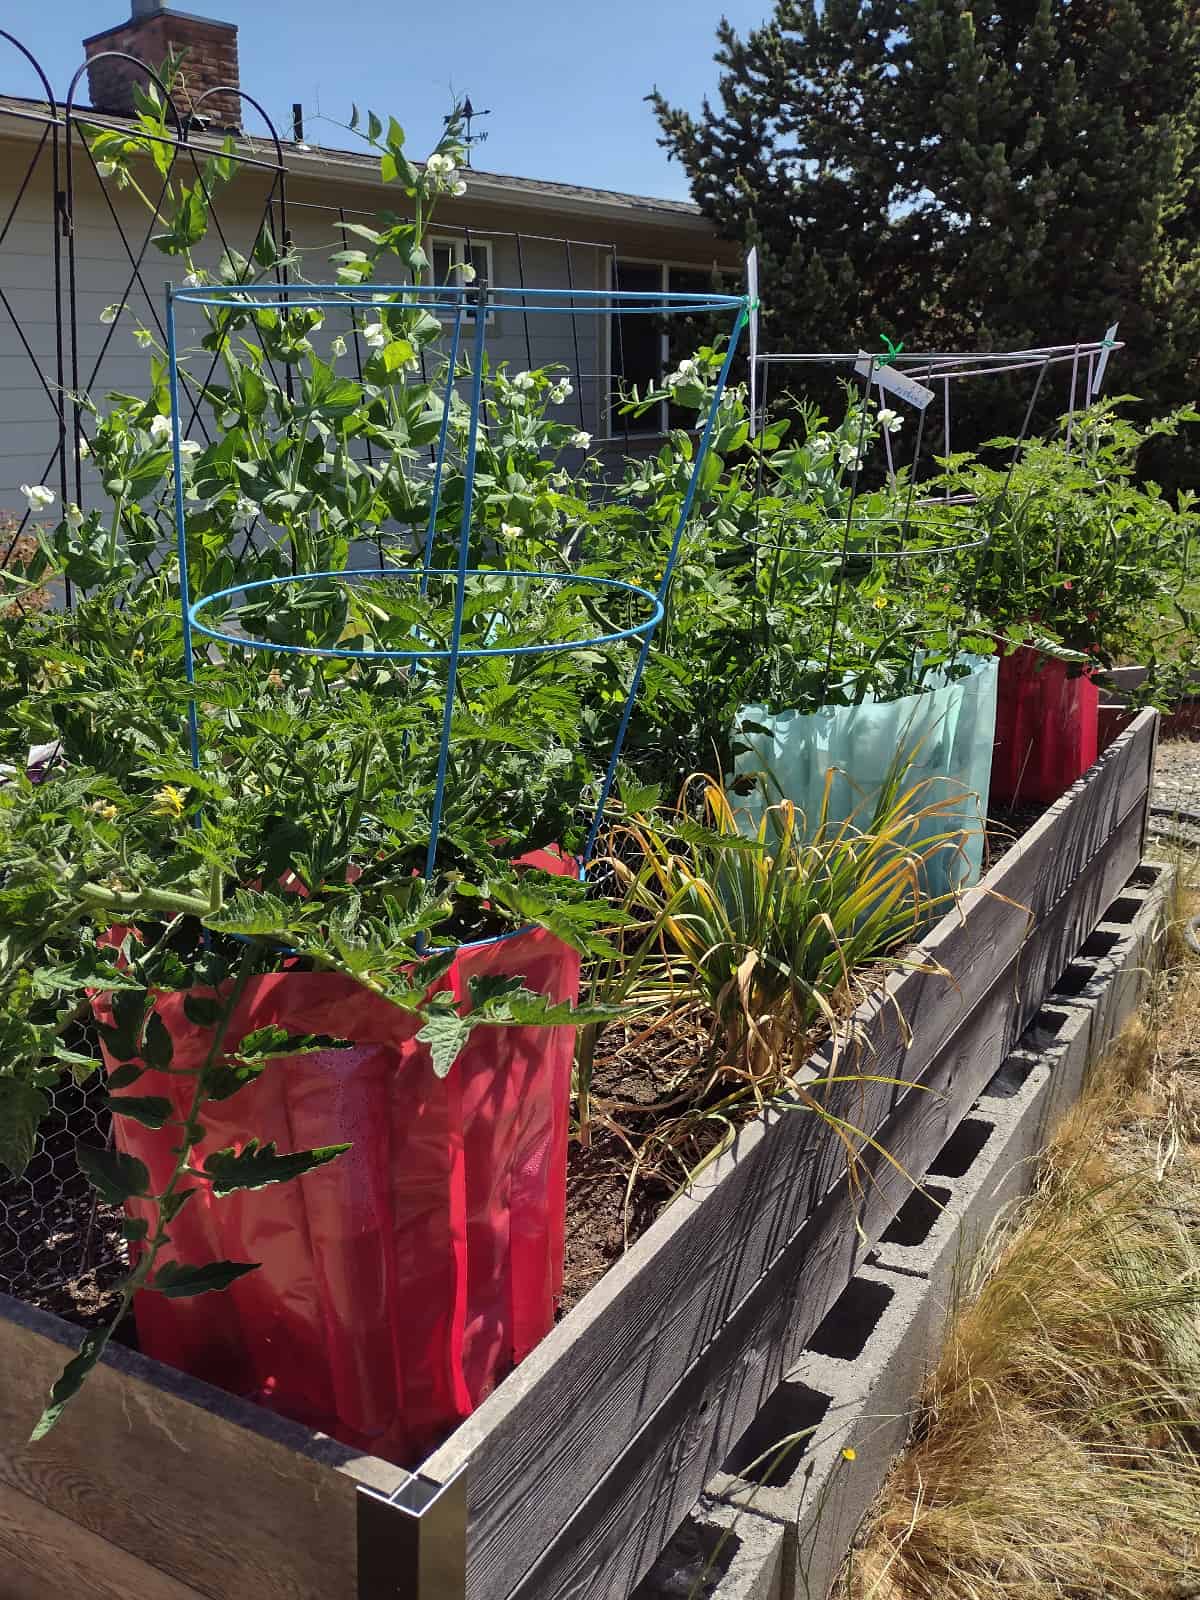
x,y
1057,1450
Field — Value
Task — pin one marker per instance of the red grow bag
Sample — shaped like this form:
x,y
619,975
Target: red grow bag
x,y
400,1282
1047,728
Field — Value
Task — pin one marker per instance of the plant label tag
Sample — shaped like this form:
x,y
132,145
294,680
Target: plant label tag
x,y
1110,339
904,388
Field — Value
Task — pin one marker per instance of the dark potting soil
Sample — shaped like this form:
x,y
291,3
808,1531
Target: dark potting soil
x,y
62,1251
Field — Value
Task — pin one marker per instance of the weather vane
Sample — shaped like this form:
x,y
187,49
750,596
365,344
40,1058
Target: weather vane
x,y
466,114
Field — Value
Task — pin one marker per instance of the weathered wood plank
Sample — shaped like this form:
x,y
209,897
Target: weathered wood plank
x,y
574,1403
216,1493
43,1554
603,1551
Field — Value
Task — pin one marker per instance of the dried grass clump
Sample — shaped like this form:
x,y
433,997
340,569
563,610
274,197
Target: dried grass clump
x,y
1057,1450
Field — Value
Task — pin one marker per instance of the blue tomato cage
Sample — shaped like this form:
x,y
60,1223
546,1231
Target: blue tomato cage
x,y
202,616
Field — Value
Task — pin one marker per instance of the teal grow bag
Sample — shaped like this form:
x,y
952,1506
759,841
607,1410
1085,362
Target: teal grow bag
x,y
948,730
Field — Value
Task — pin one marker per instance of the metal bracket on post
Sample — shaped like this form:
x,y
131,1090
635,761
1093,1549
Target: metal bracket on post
x,y
412,1544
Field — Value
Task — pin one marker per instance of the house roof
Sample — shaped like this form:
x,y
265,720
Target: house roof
x,y
498,188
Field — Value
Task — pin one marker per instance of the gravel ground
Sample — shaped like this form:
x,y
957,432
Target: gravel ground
x,y
1177,774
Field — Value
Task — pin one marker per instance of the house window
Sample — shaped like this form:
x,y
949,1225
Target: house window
x,y
446,259
643,348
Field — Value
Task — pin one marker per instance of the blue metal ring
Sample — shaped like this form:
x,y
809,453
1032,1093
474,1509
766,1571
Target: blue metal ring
x,y
451,297
559,647
274,296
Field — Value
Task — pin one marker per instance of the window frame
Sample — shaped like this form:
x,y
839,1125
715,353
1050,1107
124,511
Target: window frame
x,y
458,246
664,283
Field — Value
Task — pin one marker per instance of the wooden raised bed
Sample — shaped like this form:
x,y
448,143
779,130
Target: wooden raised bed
x,y
569,1479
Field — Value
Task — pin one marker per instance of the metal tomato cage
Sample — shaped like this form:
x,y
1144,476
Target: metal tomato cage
x,y
912,380
457,303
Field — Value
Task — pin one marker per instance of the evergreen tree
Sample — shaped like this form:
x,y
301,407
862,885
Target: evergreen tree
x,y
964,175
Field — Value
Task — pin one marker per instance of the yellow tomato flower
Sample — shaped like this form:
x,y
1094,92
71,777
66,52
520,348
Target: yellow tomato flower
x,y
168,801
103,809
880,603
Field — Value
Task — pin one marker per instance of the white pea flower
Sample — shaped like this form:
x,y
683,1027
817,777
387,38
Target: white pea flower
x,y
74,516
189,447
160,428
144,337
458,187
244,512
524,381
110,314
820,444
581,440
193,280
337,346
468,272
441,166
38,497
509,530
84,448
561,392
105,169
375,335
890,421
848,454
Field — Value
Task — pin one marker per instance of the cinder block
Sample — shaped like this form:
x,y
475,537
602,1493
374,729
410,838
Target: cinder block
x,y
722,1552
850,1397
1112,972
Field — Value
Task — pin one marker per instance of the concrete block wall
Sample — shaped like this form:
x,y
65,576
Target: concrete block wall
x,y
777,1523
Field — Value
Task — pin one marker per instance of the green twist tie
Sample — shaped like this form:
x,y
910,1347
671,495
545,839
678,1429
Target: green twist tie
x,y
893,350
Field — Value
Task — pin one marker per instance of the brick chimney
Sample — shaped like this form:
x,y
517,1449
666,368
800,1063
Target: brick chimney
x,y
210,60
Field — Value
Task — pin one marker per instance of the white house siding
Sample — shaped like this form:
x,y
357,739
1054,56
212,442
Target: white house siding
x,y
109,358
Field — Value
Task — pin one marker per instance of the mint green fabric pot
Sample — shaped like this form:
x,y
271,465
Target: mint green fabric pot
x,y
949,730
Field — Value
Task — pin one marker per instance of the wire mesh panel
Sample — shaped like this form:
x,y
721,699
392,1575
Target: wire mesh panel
x,y
864,495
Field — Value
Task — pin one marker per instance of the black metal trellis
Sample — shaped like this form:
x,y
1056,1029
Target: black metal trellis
x,y
45,1213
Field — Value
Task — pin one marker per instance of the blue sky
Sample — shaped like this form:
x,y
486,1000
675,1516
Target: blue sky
x,y
564,81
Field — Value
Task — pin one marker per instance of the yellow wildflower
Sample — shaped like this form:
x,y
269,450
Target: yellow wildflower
x,y
168,801
849,1453
880,603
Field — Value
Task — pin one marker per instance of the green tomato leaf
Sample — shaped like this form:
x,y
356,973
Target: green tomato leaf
x,y
70,1380
124,1076
445,1032
204,1010
114,1176
157,1049
176,1281
22,1108
256,1165
151,1110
